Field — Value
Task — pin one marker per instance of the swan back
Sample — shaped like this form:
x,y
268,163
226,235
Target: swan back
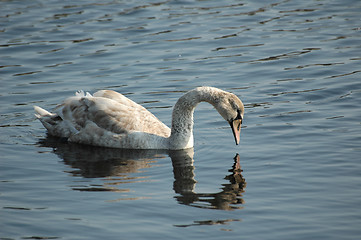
x,y
105,119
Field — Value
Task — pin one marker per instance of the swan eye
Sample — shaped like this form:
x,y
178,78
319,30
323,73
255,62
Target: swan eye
x,y
239,115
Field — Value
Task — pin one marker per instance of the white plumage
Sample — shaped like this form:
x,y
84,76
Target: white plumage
x,y
110,119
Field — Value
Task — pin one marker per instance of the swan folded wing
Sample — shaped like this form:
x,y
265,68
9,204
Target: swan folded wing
x,y
112,116
151,123
118,97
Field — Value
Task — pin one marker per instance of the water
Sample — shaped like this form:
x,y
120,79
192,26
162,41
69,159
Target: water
x,y
295,64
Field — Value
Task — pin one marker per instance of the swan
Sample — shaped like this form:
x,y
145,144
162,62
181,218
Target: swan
x,y
109,119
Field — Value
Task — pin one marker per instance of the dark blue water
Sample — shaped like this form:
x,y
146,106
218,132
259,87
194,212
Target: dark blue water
x,y
295,65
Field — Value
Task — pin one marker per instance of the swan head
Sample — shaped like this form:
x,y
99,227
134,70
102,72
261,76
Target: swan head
x,y
231,108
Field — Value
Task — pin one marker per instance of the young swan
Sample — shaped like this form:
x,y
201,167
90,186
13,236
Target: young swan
x,y
109,119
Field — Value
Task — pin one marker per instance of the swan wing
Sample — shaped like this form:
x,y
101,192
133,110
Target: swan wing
x,y
118,97
113,112
105,119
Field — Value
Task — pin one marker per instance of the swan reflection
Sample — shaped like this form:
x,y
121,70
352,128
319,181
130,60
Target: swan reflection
x,y
184,184
117,167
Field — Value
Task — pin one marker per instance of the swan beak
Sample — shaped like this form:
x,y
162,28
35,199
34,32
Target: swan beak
x,y
236,129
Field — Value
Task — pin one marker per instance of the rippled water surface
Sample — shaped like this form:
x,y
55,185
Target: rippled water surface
x,y
295,64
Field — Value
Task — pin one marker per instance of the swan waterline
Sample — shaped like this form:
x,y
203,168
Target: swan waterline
x,y
109,119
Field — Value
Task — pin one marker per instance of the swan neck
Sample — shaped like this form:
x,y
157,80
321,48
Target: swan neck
x,y
182,117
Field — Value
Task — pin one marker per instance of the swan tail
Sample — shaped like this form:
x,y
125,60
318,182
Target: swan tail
x,y
40,112
55,125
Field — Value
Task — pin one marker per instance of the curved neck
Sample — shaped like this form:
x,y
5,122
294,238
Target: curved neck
x,y
182,117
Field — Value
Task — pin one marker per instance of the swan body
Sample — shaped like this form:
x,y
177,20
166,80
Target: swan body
x,y
109,119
